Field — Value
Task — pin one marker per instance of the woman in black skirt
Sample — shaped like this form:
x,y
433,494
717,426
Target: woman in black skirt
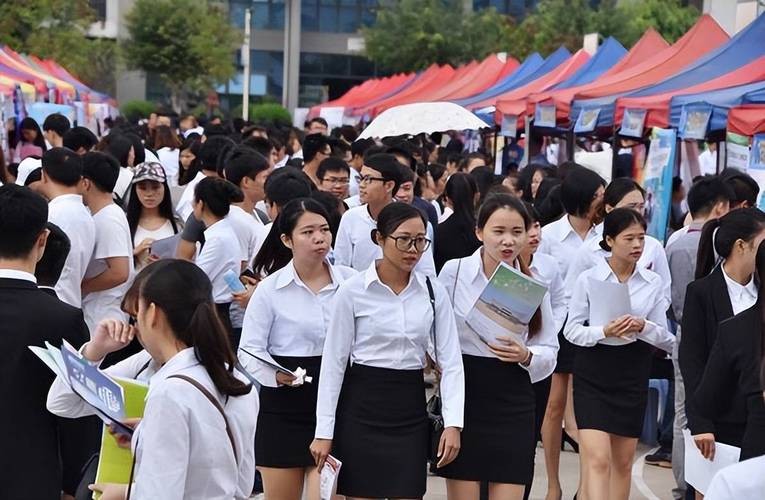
x,y
499,439
285,324
371,413
612,368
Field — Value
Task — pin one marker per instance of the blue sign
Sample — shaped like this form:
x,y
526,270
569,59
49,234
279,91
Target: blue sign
x,y
544,115
633,123
587,120
657,180
694,120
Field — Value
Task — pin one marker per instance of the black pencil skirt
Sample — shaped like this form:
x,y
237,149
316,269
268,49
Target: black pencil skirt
x,y
381,433
498,441
611,387
287,418
566,355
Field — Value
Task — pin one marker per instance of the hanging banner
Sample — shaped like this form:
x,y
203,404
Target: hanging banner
x,y
633,122
694,120
41,110
587,120
544,115
757,166
737,151
509,126
657,180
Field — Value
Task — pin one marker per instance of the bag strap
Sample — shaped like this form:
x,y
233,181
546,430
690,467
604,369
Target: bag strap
x,y
215,403
432,297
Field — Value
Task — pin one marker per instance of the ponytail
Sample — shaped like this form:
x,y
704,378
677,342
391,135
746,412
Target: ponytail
x,y
273,255
741,224
705,258
184,294
217,195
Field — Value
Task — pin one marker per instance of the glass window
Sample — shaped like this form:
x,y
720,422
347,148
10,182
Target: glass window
x,y
309,18
336,64
328,19
236,14
348,19
310,63
260,15
361,66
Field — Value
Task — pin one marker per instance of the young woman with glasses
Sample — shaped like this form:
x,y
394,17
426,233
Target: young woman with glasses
x,y
371,415
498,442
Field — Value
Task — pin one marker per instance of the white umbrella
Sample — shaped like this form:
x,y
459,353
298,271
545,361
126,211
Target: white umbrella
x,y
422,117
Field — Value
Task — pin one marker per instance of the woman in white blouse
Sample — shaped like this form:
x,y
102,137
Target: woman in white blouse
x,y
285,324
498,441
612,368
371,415
195,440
149,211
221,251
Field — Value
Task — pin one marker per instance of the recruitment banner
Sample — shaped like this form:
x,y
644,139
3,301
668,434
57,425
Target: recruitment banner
x,y
737,151
757,166
657,180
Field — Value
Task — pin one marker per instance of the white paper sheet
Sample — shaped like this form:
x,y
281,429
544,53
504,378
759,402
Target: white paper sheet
x,y
608,301
698,470
328,479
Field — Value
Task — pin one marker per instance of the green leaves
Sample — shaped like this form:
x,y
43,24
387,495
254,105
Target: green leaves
x,y
188,43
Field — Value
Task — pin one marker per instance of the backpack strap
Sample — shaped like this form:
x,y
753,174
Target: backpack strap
x,y
215,403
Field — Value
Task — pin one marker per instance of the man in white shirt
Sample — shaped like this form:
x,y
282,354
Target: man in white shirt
x,y
708,160
61,175
111,266
354,247
315,150
54,127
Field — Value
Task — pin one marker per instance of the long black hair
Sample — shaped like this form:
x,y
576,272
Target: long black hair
x,y
618,189
273,254
135,208
497,202
117,145
183,292
193,143
460,190
29,123
719,235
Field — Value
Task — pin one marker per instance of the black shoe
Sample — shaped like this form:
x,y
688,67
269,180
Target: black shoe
x,y
661,458
571,442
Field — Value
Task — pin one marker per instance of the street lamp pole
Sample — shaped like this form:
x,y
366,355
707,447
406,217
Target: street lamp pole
x,y
246,64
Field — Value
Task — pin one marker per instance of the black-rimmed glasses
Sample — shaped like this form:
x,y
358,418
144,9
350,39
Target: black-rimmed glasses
x,y
404,243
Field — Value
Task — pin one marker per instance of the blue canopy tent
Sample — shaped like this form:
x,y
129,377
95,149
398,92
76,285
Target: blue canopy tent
x,y
720,102
524,74
608,54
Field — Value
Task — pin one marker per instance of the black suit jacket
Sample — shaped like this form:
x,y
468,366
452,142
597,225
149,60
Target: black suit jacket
x,y
733,373
707,304
29,460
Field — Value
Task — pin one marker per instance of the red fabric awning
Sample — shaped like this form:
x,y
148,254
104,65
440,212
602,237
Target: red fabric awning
x,y
748,119
480,78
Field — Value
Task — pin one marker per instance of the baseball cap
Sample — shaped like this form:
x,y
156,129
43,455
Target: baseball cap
x,y
149,171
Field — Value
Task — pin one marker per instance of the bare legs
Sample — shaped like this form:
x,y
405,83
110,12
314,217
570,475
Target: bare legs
x,y
470,490
606,463
552,433
288,484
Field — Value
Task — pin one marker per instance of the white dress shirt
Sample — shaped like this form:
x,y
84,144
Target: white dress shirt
x,y
286,318
169,158
742,297
220,253
654,259
14,274
354,246
647,301
674,236
68,212
545,269
112,240
373,326
744,480
249,231
185,205
181,447
561,242
465,287
353,185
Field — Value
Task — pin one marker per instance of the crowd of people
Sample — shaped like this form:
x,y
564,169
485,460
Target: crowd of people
x,y
356,265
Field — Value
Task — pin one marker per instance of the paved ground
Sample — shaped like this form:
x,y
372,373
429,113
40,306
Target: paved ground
x,y
648,483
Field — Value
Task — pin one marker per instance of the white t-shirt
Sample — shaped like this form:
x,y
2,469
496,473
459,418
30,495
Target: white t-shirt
x,y
141,233
122,188
739,481
68,212
186,204
169,159
708,162
249,230
112,240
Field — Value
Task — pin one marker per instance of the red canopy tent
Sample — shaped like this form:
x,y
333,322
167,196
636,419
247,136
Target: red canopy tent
x,y
475,81
748,119
430,79
649,45
370,90
658,106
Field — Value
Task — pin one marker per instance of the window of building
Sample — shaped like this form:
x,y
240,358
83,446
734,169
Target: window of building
x,y
514,8
99,7
266,14
337,16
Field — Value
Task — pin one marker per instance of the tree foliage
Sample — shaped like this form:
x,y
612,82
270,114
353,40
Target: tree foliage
x,y
413,34
57,29
189,44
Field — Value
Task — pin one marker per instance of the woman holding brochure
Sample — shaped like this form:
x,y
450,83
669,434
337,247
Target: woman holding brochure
x,y
498,441
285,325
719,292
731,377
371,415
195,438
617,314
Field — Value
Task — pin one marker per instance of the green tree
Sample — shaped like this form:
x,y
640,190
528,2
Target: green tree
x,y
57,29
188,43
410,35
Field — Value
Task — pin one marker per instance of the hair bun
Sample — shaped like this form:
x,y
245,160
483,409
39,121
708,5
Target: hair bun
x,y
605,246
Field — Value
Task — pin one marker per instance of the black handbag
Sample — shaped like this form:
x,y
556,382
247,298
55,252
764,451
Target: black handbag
x,y
433,407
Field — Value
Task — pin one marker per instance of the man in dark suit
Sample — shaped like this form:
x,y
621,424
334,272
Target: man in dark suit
x,y
30,461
